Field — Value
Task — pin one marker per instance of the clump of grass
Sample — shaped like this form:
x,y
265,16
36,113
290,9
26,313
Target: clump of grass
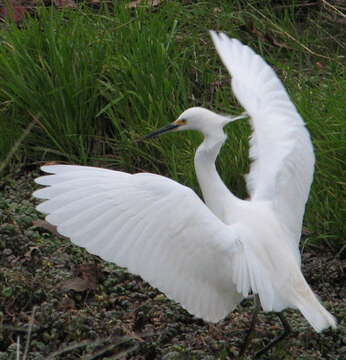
x,y
49,70
94,82
324,109
146,85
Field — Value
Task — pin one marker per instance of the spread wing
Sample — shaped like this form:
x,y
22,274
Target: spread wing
x,y
155,227
280,147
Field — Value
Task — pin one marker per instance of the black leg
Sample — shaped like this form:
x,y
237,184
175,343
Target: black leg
x,y
287,331
251,328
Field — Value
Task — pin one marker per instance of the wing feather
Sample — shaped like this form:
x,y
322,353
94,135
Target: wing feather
x,y
280,147
152,225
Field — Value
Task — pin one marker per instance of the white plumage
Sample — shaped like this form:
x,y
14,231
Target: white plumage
x,y
150,224
283,156
205,256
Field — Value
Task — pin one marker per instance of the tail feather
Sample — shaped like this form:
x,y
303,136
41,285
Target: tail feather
x,y
288,288
315,313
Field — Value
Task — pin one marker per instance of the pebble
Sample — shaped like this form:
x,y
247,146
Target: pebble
x,y
7,252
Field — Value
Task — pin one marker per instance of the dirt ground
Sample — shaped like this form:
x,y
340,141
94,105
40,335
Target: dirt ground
x,y
61,303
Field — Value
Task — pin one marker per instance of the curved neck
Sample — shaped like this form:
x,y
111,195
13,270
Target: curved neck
x,y
216,195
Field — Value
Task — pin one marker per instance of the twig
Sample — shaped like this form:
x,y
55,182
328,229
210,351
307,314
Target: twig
x,y
110,347
94,343
334,8
289,35
16,145
1,325
27,344
18,329
340,43
18,348
296,5
74,347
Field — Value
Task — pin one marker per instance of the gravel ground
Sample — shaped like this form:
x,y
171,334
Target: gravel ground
x,y
62,303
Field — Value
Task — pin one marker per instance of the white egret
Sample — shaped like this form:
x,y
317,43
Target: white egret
x,y
206,256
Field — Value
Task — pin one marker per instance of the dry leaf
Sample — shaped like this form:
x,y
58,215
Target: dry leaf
x,y
29,252
154,2
51,163
133,4
47,226
64,3
76,284
272,38
306,231
319,65
87,277
89,272
66,304
14,10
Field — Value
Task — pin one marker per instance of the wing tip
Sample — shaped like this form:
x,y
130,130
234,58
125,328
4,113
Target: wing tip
x,y
214,36
218,35
52,168
41,180
220,40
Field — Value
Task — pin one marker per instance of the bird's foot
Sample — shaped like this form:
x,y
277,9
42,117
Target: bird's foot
x,y
287,331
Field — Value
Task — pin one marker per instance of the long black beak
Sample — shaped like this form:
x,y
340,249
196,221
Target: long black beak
x,y
160,131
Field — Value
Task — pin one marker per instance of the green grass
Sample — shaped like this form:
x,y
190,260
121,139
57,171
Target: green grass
x,y
97,81
324,109
49,72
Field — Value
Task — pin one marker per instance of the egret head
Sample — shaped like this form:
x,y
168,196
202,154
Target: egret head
x,y
197,118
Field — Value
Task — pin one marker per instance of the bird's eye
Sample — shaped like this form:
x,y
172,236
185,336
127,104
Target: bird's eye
x,y
181,122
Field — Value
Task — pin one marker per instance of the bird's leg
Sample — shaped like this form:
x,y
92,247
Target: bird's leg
x,y
252,326
287,331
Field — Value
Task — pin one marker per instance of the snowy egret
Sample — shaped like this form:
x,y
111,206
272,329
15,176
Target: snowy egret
x,y
206,256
